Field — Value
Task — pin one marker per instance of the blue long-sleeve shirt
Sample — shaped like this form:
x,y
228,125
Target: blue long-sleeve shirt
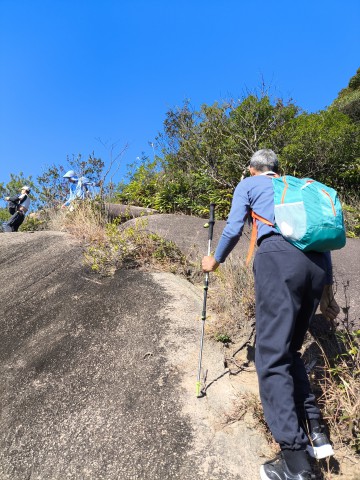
x,y
255,193
79,189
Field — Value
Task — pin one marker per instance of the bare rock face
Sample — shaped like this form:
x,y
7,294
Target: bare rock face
x,y
126,212
98,375
189,234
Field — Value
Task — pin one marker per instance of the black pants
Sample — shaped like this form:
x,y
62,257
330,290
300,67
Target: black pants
x,y
16,220
12,207
288,286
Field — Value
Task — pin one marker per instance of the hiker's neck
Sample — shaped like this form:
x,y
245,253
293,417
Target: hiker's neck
x,y
254,172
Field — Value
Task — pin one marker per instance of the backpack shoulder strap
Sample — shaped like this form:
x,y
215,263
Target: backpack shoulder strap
x,y
253,237
255,217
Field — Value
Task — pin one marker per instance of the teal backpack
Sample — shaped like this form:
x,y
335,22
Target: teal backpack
x,y
308,214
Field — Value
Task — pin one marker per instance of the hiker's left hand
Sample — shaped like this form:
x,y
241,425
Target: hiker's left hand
x,y
328,305
209,264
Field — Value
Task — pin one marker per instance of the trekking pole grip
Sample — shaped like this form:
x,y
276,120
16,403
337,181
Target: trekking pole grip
x,y
211,220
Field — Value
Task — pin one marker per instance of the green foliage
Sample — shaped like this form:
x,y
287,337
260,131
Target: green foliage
x,y
153,187
32,223
53,187
132,246
324,146
222,338
258,123
4,215
206,152
143,184
352,219
218,140
190,194
348,100
91,168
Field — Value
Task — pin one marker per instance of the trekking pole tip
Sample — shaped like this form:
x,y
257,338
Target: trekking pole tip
x,y
198,389
199,392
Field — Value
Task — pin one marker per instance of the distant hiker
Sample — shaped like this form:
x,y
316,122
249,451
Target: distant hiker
x,y
80,188
18,205
289,285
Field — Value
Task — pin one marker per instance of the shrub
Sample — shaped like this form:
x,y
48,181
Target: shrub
x,y
352,219
338,379
133,246
32,223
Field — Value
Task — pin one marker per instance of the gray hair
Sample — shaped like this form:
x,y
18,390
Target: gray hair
x,y
264,160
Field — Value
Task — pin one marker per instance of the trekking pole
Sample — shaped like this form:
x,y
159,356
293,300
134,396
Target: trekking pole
x,y
200,393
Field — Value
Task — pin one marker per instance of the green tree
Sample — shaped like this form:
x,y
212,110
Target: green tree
x,y
348,100
142,186
204,153
218,140
324,146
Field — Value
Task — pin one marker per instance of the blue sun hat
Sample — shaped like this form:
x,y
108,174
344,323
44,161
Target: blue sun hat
x,y
70,174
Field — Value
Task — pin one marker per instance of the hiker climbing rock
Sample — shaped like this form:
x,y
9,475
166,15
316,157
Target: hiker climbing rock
x,y
18,205
80,188
289,285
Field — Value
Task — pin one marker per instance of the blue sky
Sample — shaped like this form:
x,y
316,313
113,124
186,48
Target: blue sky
x,y
75,71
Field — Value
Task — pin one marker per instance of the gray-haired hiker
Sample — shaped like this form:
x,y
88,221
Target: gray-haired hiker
x,y
289,285
18,205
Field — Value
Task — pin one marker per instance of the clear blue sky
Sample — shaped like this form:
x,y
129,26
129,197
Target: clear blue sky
x,y
73,71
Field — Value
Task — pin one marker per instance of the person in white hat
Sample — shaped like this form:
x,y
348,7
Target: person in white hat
x,y
18,206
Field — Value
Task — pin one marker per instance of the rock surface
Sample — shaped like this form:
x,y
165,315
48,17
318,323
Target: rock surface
x,y
98,374
191,237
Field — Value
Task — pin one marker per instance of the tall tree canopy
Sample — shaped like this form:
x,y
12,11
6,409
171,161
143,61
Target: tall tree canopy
x,y
204,153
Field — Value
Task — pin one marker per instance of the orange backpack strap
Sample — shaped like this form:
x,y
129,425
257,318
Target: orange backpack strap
x,y
253,237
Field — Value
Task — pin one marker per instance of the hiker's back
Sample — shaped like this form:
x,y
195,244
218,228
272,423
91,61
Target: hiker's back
x,y
260,193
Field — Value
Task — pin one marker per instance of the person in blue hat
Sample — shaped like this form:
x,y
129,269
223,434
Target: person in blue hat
x,y
75,188
80,187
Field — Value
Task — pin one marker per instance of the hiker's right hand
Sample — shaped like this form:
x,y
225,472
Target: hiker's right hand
x,y
7,198
328,305
209,264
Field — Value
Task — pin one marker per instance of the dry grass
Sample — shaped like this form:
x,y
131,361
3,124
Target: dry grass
x,y
337,379
232,298
86,221
108,248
